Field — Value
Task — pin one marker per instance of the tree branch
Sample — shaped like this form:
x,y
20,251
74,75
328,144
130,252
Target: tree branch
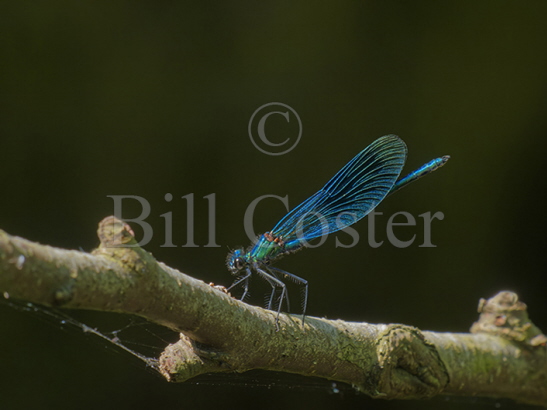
x,y
505,355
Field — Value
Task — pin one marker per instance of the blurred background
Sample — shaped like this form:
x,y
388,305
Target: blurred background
x,y
134,98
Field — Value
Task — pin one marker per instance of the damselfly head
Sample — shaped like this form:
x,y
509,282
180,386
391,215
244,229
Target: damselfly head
x,y
235,261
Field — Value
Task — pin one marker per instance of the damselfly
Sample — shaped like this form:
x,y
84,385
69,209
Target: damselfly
x,y
350,195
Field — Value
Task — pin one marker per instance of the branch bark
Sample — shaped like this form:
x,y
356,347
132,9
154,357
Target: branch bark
x,y
504,356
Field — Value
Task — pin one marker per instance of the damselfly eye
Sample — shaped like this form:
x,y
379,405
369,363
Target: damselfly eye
x,y
239,263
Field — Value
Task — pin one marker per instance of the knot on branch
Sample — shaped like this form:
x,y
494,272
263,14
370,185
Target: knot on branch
x,y
504,315
183,360
113,233
409,366
119,244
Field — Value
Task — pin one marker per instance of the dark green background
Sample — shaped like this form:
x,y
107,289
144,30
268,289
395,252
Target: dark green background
x,y
113,98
